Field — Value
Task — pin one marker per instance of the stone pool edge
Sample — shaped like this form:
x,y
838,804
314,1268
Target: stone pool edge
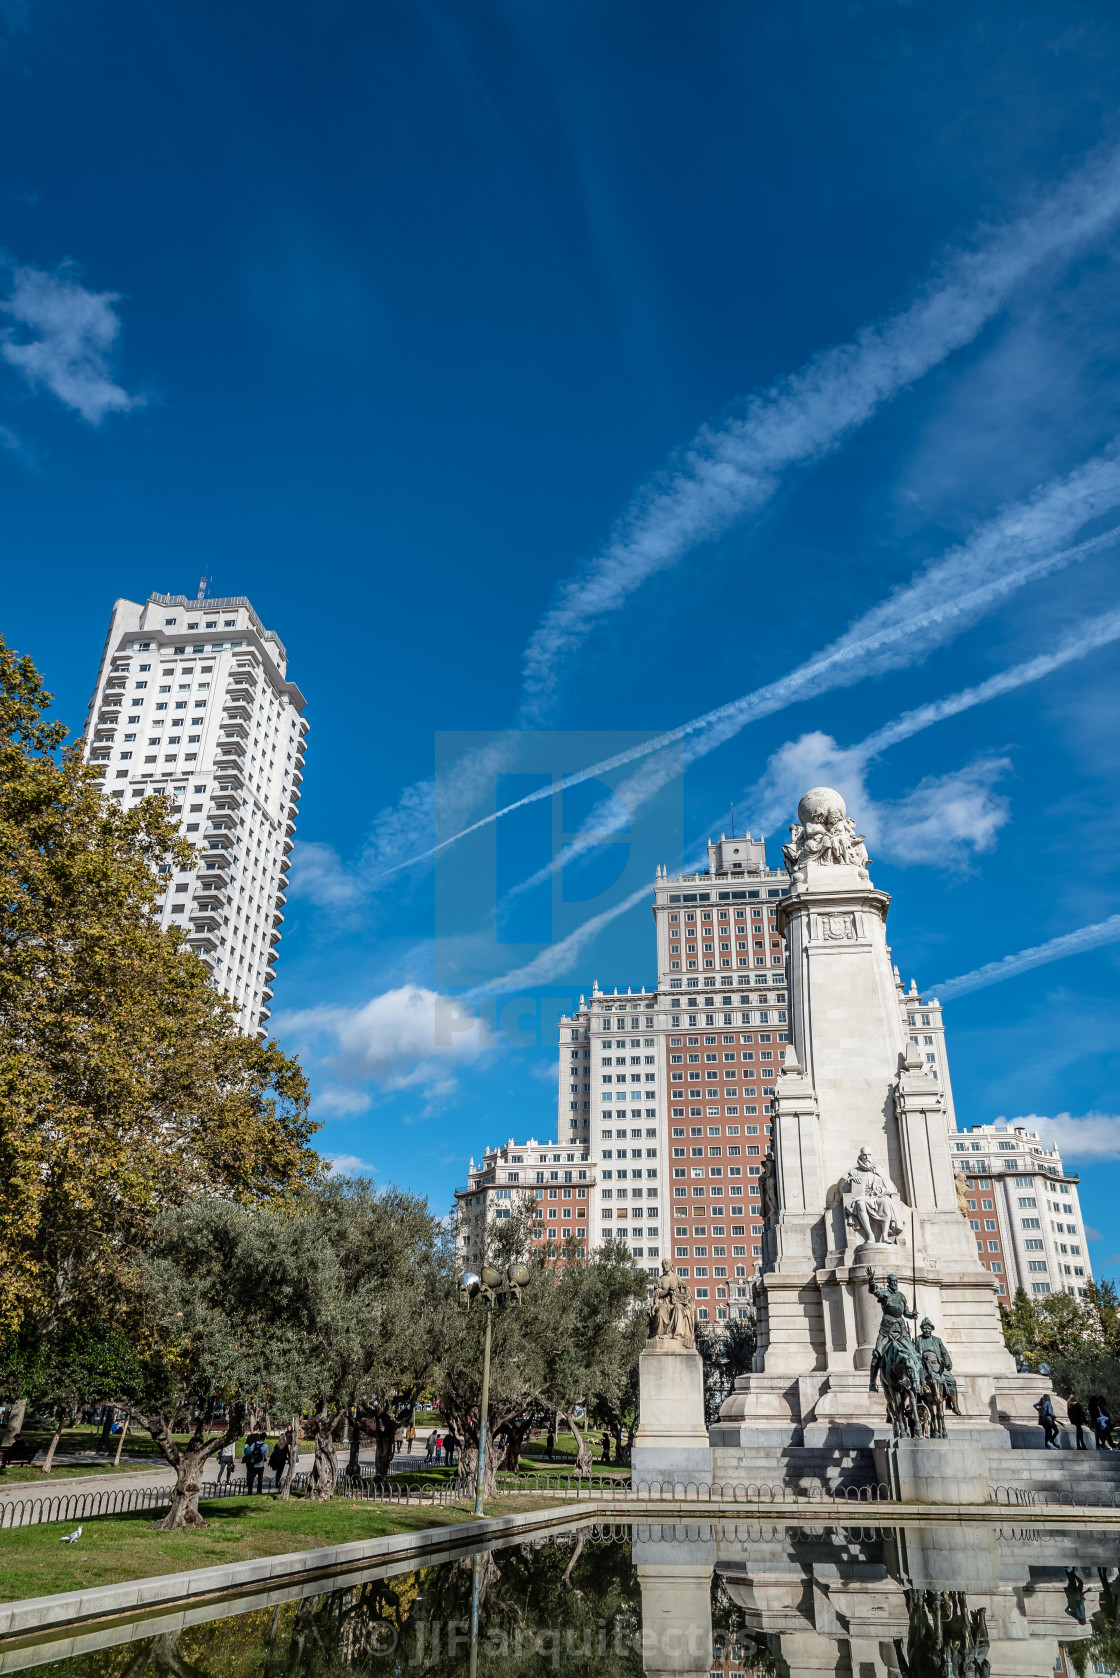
x,y
27,1616
30,1617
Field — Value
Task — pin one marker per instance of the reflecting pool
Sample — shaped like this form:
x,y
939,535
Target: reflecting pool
x,y
918,1600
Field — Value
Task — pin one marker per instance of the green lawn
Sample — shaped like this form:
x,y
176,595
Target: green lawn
x,y
34,1561
535,1461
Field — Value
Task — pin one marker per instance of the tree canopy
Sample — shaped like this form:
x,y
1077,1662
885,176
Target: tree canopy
x,y
1079,1338
376,1325
571,1342
223,1322
125,1085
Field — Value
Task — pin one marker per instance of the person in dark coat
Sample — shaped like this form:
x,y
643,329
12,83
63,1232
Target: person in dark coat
x,y
255,1456
1078,1419
278,1461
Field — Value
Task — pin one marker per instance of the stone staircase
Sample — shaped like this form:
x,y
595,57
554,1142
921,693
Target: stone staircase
x,y
1086,1477
797,1467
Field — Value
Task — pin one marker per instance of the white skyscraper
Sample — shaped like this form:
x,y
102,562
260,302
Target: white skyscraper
x,y
193,701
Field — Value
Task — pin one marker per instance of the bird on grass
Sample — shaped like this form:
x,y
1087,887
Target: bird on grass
x,y
72,1537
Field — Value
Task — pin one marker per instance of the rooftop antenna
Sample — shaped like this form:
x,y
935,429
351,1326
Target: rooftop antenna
x,y
202,581
732,821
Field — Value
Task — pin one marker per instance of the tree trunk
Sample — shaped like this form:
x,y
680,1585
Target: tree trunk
x,y
584,1460
324,1474
189,1470
469,1470
513,1443
107,1427
120,1441
384,1435
575,1555
295,1432
189,1462
14,1425
48,1460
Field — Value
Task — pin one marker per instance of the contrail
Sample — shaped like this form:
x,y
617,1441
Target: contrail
x,y
1069,944
735,468
771,796
1098,634
846,662
553,961
730,468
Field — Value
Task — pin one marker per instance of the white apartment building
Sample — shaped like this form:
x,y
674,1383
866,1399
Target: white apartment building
x,y
193,701
1024,1211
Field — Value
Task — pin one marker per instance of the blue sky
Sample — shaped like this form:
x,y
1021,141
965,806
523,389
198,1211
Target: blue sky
x,y
552,377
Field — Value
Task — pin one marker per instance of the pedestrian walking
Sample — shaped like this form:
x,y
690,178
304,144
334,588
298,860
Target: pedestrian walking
x,y
278,1461
227,1456
1049,1422
451,1447
255,1456
1102,1423
439,1450
606,1457
430,1447
549,1443
410,1436
1078,1419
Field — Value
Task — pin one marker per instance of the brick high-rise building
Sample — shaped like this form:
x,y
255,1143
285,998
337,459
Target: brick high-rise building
x,y
666,1102
193,701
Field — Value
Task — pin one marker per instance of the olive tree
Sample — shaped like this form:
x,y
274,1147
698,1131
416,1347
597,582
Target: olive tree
x,y
570,1341
375,1328
221,1324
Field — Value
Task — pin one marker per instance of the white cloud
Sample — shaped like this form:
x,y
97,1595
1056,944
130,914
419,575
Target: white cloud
x,y
62,341
1094,1136
940,822
735,468
318,873
336,1101
1009,967
946,817
348,1165
409,1038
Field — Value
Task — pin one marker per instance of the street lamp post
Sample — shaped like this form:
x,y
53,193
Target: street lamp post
x,y
470,1288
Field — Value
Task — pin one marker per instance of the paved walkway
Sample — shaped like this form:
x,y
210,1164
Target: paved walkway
x,y
59,1484
161,1474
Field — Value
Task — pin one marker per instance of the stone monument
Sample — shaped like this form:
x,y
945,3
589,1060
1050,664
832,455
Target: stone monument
x,y
671,1444
860,1181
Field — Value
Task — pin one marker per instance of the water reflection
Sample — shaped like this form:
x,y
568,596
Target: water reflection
x,y
921,1600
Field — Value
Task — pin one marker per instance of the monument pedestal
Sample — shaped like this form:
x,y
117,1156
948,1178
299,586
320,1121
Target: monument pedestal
x,y
674,1567
671,1444
933,1470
